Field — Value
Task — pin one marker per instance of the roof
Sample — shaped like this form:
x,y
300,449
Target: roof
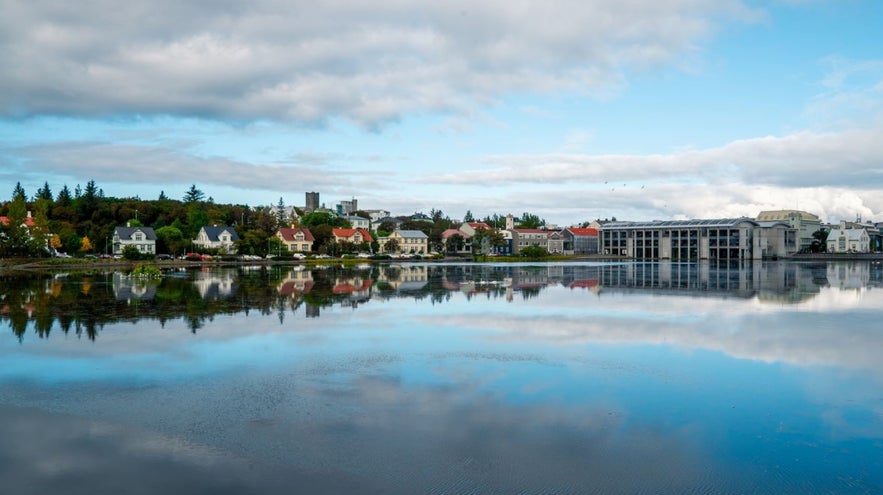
x,y
532,231
582,232
413,234
452,232
29,221
214,233
347,233
128,232
659,224
851,234
783,215
479,225
288,233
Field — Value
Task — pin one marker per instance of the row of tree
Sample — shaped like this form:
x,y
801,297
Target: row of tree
x,y
83,220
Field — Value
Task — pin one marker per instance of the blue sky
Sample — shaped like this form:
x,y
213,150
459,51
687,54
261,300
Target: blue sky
x,y
572,110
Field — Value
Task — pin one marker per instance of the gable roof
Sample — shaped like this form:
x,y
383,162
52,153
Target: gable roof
x,y
480,225
450,232
287,234
214,233
29,221
412,234
127,232
347,233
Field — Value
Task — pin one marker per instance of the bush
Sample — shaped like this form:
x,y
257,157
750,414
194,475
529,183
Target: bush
x,y
534,252
131,253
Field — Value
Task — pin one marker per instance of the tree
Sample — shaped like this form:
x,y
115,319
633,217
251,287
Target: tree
x,y
162,196
64,197
392,246
534,252
317,218
169,239
16,239
193,195
280,212
19,192
454,243
86,245
468,217
530,221
55,241
44,192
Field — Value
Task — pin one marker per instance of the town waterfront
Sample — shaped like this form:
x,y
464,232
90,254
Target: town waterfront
x,y
547,378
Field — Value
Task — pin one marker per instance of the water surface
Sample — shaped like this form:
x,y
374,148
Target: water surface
x,y
418,378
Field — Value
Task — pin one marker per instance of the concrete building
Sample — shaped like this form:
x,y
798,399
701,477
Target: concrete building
x,y
806,224
682,240
312,202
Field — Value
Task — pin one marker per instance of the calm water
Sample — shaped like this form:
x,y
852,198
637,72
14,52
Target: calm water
x,y
445,379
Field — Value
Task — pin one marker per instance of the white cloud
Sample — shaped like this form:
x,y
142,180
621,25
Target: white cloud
x,y
306,61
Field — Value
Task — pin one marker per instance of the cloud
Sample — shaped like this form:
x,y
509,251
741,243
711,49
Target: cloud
x,y
311,62
146,164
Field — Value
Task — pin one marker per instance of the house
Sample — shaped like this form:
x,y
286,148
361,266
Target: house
x,y
357,222
223,239
848,240
453,246
409,242
395,222
29,221
142,238
471,227
353,236
296,239
522,238
583,241
558,243
683,240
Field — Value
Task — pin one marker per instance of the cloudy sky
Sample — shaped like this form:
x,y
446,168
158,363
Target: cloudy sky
x,y
572,110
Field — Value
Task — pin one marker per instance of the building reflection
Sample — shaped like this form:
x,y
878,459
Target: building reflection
x,y
46,301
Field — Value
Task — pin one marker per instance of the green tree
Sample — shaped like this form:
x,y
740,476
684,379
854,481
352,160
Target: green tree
x,y
19,192
170,239
193,195
392,246
534,252
44,192
530,221
16,239
64,197
317,218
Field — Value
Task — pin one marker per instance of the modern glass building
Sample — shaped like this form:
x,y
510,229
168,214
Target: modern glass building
x,y
683,240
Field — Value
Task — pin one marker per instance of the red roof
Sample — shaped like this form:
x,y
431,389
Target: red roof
x,y
288,234
449,232
584,232
480,225
29,221
348,233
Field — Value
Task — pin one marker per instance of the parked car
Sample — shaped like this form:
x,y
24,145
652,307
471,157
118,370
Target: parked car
x,y
165,257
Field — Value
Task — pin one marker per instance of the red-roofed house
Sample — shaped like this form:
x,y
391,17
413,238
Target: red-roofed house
x,y
296,239
355,236
583,241
463,247
29,221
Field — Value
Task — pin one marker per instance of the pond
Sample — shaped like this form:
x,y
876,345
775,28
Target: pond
x,y
661,378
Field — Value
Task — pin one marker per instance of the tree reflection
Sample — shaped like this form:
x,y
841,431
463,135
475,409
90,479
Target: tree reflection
x,y
83,303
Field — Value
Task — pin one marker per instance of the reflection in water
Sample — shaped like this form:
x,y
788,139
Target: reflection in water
x,y
444,378
46,302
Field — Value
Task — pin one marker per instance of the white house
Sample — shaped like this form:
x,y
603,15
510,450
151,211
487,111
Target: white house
x,y
142,238
844,240
221,238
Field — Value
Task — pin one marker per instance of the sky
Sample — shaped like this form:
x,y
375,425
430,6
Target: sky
x,y
570,110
